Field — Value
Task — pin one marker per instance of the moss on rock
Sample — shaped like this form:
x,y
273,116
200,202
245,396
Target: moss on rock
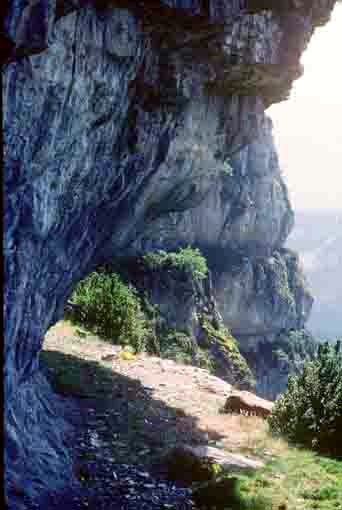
x,y
222,344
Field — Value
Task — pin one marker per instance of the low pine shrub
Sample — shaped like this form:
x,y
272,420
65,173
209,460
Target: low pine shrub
x,y
310,411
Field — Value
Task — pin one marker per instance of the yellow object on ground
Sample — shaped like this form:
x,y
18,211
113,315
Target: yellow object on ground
x,y
127,356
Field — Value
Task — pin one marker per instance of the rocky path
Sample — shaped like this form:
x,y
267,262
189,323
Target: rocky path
x,y
133,410
123,487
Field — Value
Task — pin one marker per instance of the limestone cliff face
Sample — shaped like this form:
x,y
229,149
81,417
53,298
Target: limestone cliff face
x,y
115,115
246,207
264,295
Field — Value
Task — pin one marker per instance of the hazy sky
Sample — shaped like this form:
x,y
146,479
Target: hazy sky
x,y
308,127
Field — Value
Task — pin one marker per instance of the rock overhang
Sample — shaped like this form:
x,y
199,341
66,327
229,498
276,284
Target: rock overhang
x,y
74,201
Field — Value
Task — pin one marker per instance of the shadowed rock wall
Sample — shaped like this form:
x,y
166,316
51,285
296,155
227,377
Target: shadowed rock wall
x,y
116,114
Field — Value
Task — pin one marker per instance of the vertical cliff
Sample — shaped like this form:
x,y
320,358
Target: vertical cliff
x,y
116,114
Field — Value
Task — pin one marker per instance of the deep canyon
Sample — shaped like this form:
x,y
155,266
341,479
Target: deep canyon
x,y
132,126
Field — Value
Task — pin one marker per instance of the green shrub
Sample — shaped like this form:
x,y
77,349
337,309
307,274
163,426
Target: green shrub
x,y
225,345
177,345
111,309
204,359
186,259
182,348
310,411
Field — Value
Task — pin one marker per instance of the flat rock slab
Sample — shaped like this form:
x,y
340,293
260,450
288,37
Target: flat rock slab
x,y
224,459
198,464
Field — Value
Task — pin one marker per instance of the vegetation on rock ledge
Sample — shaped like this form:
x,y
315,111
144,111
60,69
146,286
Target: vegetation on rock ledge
x,y
220,339
187,259
114,310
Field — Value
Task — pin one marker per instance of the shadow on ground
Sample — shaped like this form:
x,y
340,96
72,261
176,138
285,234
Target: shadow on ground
x,y
132,424
122,423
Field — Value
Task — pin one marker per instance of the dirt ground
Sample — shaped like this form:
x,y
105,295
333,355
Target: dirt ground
x,y
142,406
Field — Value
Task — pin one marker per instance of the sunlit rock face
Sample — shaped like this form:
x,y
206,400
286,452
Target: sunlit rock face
x,y
246,207
113,118
241,226
263,295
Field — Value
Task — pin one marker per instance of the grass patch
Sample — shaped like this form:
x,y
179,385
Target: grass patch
x,y
298,480
252,438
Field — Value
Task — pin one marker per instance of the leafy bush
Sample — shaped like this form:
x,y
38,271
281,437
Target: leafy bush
x,y
310,411
111,309
186,259
204,359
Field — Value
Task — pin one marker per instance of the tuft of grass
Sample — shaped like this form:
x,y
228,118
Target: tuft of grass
x,y
252,437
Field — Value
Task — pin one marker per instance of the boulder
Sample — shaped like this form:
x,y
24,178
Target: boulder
x,y
246,402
